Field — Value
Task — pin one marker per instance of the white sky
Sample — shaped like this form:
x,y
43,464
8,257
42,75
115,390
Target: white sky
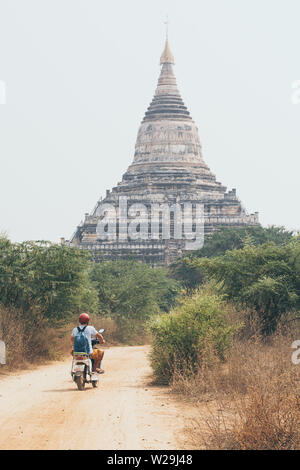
x,y
81,73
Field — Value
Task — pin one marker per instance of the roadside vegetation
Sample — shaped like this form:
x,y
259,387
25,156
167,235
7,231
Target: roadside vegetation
x,y
226,346
226,239
130,293
195,331
250,401
44,287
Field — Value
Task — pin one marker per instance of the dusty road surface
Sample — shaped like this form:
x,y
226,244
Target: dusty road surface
x,y
42,409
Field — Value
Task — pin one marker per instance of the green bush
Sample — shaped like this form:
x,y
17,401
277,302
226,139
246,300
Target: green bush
x,y
183,338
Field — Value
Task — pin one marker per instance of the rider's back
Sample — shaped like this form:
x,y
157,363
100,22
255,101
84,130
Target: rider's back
x,y
82,339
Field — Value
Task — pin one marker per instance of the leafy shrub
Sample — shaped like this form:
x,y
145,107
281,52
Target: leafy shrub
x,y
183,338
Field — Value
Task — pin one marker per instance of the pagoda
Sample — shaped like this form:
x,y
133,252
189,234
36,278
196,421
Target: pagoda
x,y
168,170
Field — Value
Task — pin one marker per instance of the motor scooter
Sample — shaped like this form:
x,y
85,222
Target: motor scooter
x,y
82,368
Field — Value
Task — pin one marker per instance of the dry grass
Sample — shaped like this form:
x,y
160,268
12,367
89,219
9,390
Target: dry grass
x,y
129,332
26,341
252,401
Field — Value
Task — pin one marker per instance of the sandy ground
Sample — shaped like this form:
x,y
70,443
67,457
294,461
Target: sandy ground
x,y
42,409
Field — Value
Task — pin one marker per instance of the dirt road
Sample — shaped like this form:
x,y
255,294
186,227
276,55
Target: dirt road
x,y
42,409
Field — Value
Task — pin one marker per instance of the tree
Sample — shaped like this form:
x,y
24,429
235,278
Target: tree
x,y
265,278
220,241
235,238
129,290
185,271
51,279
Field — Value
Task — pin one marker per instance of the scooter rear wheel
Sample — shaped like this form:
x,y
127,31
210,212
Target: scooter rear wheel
x,y
95,383
80,382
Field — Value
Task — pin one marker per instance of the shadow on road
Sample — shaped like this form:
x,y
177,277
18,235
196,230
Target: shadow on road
x,y
61,390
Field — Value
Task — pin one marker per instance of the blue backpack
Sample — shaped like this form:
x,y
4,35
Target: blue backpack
x,y
81,344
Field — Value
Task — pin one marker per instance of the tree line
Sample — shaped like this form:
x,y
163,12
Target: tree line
x,y
254,268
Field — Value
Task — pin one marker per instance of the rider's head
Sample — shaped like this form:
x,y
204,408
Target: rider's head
x,y
84,319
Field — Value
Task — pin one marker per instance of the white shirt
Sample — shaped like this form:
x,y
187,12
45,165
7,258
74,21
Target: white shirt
x,y
89,332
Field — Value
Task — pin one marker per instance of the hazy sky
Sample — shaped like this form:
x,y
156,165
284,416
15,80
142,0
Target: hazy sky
x,y
81,73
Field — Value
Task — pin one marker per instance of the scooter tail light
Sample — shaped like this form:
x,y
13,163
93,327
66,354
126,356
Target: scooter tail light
x,y
80,358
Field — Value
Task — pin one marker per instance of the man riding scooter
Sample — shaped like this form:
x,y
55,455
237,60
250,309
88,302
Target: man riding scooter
x,y
96,355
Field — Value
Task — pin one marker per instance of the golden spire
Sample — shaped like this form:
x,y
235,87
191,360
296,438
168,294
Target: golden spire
x,y
167,56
